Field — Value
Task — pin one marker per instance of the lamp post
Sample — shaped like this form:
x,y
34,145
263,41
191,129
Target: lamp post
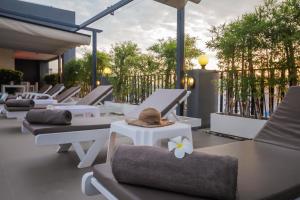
x,y
106,72
203,61
180,6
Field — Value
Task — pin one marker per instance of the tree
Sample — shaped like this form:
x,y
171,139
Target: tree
x,y
79,72
125,57
165,52
257,49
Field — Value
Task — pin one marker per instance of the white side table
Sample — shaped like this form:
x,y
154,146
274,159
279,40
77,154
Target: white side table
x,y
147,136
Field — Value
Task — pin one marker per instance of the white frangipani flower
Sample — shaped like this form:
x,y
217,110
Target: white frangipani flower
x,y
181,146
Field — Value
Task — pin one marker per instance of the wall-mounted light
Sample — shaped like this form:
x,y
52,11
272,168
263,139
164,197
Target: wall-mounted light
x,y
203,60
188,82
98,83
191,82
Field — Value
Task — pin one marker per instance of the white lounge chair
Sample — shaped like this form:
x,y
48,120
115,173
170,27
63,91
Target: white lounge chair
x,y
166,102
51,93
268,165
43,90
20,113
65,136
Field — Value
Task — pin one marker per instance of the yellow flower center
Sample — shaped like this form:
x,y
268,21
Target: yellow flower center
x,y
179,146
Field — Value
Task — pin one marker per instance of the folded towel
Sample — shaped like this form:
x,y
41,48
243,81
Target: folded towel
x,y
52,117
199,174
19,103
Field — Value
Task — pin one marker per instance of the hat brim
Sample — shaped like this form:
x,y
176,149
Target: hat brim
x,y
163,122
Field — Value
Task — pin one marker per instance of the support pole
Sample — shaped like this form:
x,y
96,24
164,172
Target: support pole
x,y
60,68
94,61
180,53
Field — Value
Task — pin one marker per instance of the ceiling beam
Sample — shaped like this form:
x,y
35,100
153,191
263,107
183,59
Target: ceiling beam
x,y
105,12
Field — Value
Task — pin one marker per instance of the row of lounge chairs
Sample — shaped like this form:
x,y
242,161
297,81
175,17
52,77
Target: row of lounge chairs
x,y
268,165
95,130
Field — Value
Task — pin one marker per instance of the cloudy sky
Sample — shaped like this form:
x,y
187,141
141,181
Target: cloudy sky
x,y
146,21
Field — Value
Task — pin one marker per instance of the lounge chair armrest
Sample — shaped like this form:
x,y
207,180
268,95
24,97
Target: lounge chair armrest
x,y
86,185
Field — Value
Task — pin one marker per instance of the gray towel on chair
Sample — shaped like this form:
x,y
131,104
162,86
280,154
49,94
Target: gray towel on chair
x,y
52,117
19,103
198,174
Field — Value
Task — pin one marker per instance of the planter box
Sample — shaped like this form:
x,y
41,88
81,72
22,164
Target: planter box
x,y
236,126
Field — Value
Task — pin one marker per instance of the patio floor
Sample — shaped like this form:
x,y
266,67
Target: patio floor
x,y
29,172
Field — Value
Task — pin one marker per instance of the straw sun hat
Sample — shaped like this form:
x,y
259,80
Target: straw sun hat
x,y
149,118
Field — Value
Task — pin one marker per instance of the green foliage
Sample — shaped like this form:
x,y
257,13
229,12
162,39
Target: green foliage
x,y
262,48
78,72
127,62
8,75
51,79
73,73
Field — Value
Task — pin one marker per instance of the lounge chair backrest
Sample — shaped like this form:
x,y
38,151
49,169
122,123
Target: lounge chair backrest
x,y
55,89
283,127
96,95
45,89
67,94
162,100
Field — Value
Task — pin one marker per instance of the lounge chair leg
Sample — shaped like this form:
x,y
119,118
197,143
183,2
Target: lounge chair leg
x,y
92,153
79,150
63,148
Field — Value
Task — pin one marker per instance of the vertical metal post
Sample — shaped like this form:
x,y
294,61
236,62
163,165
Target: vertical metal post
x,y
60,68
180,52
94,60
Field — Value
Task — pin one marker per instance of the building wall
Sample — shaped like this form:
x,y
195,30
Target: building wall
x,y
40,11
7,60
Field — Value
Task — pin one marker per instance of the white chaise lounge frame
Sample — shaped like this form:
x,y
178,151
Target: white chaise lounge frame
x,y
90,186
20,115
65,140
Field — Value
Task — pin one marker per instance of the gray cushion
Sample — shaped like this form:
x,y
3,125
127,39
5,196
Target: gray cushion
x,y
95,95
55,89
283,128
162,100
37,129
265,171
44,88
67,94
197,174
52,117
103,174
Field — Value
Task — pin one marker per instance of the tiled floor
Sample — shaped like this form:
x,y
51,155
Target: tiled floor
x,y
29,172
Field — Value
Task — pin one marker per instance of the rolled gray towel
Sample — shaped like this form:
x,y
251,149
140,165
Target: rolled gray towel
x,y
198,174
19,103
51,117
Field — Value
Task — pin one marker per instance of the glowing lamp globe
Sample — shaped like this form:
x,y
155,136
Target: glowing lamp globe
x,y
107,71
203,61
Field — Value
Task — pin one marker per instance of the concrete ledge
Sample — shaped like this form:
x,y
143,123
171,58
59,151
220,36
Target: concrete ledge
x,y
236,126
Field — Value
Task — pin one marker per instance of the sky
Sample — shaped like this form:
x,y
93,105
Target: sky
x,y
146,21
